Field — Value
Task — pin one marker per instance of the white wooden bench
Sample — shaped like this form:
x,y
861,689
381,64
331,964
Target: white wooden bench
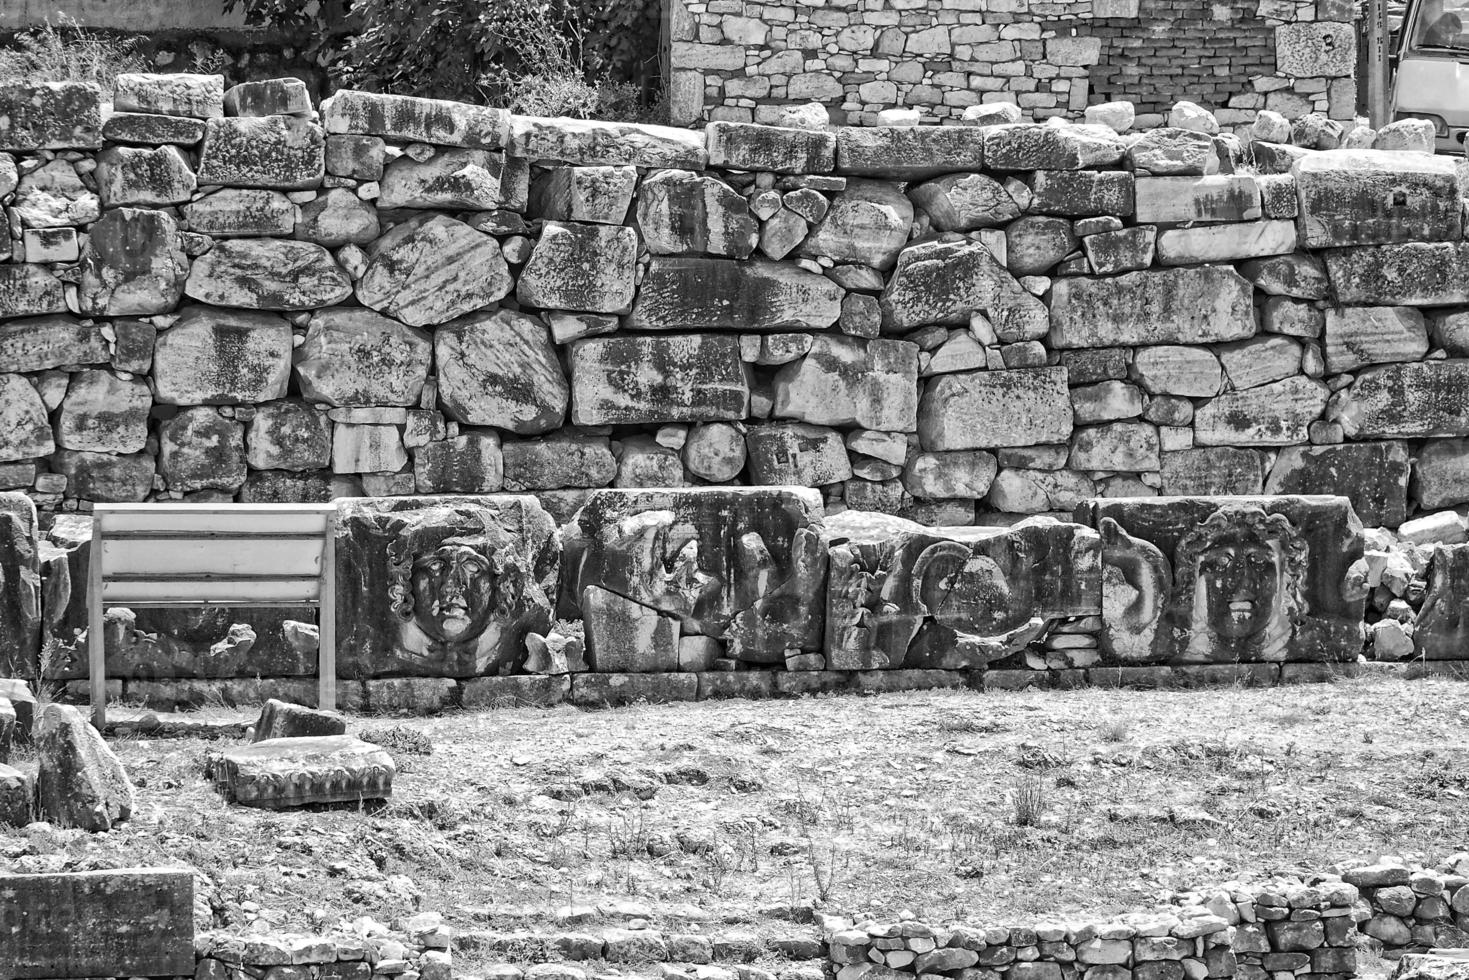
x,y
161,554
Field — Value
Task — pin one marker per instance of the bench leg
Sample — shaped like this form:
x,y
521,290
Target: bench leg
x,y
326,667
96,642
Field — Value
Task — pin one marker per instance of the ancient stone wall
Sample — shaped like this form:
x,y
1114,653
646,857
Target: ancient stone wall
x,y
741,61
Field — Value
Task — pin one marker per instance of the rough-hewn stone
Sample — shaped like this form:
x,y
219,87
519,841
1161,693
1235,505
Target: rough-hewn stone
x,y
431,269
222,357
675,378
848,381
267,274
416,120
981,410
688,293
500,369
266,151
353,356
1185,305
583,267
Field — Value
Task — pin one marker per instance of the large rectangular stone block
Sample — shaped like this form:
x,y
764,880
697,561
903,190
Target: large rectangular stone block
x,y
1369,197
670,378
1411,274
908,152
1408,401
126,922
1275,414
1226,243
872,384
1372,475
591,143
403,117
773,149
1218,197
50,116
688,293
986,409
1199,305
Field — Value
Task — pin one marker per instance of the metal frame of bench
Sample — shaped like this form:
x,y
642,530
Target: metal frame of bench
x,y
164,554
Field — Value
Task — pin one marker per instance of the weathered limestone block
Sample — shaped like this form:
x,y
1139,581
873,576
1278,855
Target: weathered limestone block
x,y
335,218
469,463
268,97
50,116
1299,275
670,378
103,413
1227,579
947,282
964,474
1407,401
1411,274
600,195
54,196
286,772
81,783
770,149
199,449
150,177
1259,360
222,357
443,586
591,143
39,343
1035,243
281,152
20,601
682,213
849,381
1325,49
1172,152
353,356
1187,305
1441,474
1372,475
431,269
1442,629
29,290
627,637
1106,401
267,274
1192,372
796,454
744,565
908,152
1226,243
985,409
689,293
1357,336
450,179
901,595
288,435
964,202
1028,146
25,430
134,264
1082,193
563,459
416,120
1370,197
1212,470
1221,197
501,369
1277,414
867,223
105,477
358,157
367,447
151,129
1126,447
241,212
582,267
281,719
181,94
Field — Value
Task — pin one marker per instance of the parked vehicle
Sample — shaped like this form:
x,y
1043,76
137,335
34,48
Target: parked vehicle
x,y
1430,69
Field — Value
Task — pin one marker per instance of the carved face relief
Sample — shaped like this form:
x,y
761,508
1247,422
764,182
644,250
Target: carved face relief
x,y
452,593
1241,582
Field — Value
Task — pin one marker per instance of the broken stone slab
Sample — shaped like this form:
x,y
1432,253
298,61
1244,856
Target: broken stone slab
x,y
1172,152
742,564
237,212
797,454
471,462
1226,243
154,177
844,381
965,202
1192,305
591,143
1031,146
23,421
1276,414
681,378
149,129
199,449
177,94
29,290
600,195
336,218
416,120
133,264
963,474
430,269
268,274
1370,197
1027,491
1411,274
867,223
938,282
280,152
50,116
565,458
681,213
627,637
268,97
289,772
1227,579
103,413
1221,197
281,719
288,435
1259,360
901,595
690,293
54,196
583,267
450,180
501,369
987,409
1125,447
43,342
770,149
908,152
80,783
1372,475
1357,336
1299,275
1036,243
1407,401
1212,470
222,357
353,356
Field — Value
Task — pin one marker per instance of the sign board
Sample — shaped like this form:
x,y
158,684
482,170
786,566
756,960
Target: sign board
x,y
133,922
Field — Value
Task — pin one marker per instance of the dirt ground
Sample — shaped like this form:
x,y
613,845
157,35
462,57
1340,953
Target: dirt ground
x,y
990,807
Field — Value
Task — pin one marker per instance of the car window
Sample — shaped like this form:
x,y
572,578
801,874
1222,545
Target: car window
x,y
1443,24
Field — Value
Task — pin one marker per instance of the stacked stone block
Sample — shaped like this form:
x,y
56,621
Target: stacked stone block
x,y
415,948
1409,908
743,61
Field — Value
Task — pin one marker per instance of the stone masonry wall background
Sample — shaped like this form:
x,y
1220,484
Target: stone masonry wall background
x,y
740,61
